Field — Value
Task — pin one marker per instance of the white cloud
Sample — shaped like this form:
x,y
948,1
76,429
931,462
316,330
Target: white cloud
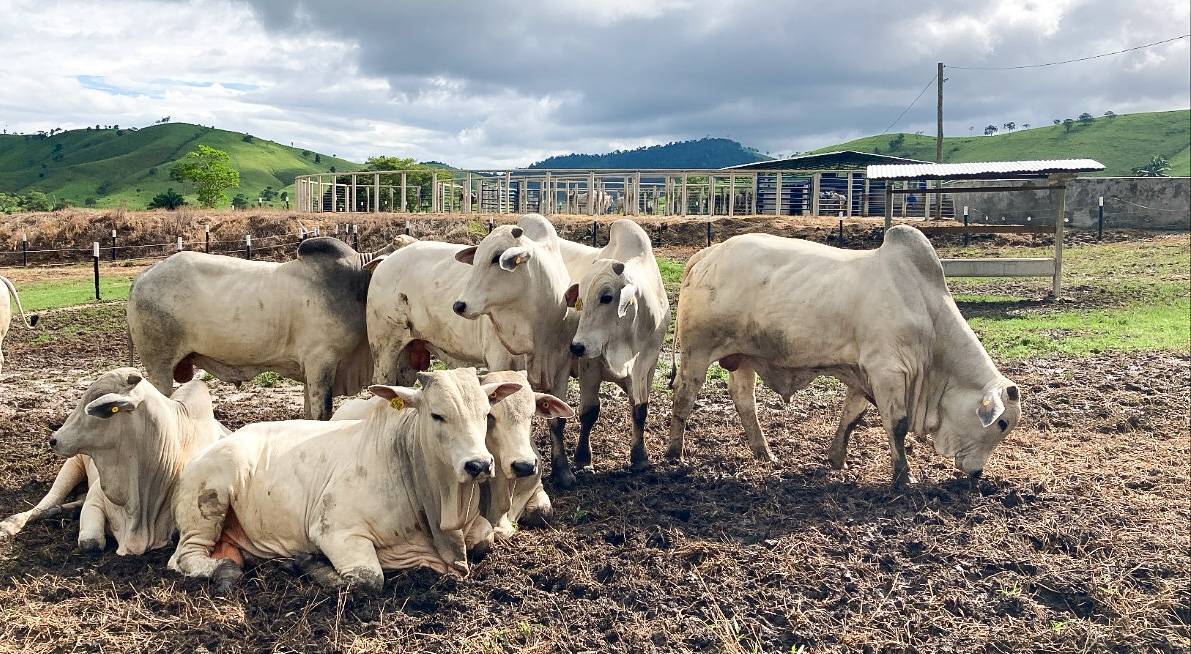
x,y
507,82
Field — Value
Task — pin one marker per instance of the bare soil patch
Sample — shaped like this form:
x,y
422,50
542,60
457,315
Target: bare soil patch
x,y
1076,540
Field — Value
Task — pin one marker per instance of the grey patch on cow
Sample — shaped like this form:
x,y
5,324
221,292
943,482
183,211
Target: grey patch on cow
x,y
361,472
639,414
209,505
326,246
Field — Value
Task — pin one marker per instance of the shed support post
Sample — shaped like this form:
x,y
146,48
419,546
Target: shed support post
x,y
375,192
685,197
815,181
864,198
888,207
1060,215
777,209
848,211
732,195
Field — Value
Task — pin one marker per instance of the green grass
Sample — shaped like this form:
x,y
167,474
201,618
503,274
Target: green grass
x,y
39,296
136,164
1119,143
1134,327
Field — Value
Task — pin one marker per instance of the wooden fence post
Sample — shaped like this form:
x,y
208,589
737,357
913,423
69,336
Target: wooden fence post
x,y
95,263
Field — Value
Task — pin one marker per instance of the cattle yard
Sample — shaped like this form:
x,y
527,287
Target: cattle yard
x,y
1074,539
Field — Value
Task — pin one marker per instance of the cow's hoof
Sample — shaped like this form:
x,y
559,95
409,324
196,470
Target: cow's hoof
x,y
564,478
91,545
225,577
764,455
903,479
674,454
364,580
535,517
587,469
837,462
640,465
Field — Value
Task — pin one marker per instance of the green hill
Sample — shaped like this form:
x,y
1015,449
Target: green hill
x,y
1120,143
130,166
701,153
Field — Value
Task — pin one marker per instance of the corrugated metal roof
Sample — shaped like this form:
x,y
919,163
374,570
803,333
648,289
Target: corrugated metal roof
x,y
840,160
983,169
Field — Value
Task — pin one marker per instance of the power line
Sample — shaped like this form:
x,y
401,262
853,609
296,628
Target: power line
x,y
1071,61
916,99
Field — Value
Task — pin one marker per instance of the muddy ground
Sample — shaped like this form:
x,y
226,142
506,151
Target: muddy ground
x,y
1075,540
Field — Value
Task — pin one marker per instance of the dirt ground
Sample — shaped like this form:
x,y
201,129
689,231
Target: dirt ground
x,y
1075,540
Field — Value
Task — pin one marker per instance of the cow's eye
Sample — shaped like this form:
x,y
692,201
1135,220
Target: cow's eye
x,y
437,417
605,299
1002,424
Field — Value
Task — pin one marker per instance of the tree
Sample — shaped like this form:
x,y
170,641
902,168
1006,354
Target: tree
x,y
167,200
1156,167
239,202
1057,121
1086,118
318,158
1068,124
247,138
990,130
89,202
268,195
1025,126
212,173
1109,114
36,201
1010,126
305,154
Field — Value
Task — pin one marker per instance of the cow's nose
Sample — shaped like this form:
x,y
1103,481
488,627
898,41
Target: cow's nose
x,y
54,426
524,468
53,442
578,349
477,467
459,308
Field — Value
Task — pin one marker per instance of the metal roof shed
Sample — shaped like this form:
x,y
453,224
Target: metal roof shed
x,y
1053,173
840,160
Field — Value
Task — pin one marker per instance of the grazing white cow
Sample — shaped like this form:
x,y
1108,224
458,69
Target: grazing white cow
x,y
398,489
514,494
303,319
881,321
624,314
130,444
6,288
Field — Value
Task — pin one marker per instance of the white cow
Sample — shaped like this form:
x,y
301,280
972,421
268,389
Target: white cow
x,y
6,288
398,489
130,444
514,494
624,314
234,318
881,321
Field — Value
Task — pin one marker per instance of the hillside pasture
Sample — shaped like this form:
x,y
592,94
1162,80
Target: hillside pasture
x,y
1074,540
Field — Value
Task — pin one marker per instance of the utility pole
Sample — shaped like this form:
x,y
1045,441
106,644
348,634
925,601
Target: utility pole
x,y
939,139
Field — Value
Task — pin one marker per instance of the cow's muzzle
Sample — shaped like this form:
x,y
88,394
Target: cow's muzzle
x,y
476,467
578,349
459,308
524,468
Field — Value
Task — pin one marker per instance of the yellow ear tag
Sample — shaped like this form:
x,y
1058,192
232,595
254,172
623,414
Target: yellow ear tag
x,y
985,402
521,258
115,409
578,304
397,403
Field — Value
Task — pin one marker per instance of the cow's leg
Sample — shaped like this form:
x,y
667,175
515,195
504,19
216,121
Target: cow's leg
x,y
890,394
689,380
160,372
73,473
354,558
589,410
479,538
319,570
201,514
742,386
93,522
320,379
560,467
855,404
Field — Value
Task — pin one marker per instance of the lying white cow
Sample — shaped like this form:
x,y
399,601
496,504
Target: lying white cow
x,y
624,314
6,288
398,489
514,494
303,319
881,321
130,444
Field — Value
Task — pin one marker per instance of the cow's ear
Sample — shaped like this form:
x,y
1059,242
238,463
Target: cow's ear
x,y
399,397
466,255
572,295
513,257
371,265
548,406
500,390
133,379
106,406
628,295
1012,393
991,407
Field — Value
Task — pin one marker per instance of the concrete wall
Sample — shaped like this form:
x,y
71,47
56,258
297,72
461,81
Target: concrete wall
x,y
1129,202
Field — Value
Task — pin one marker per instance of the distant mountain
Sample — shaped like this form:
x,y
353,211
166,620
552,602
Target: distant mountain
x,y
129,166
701,153
1120,142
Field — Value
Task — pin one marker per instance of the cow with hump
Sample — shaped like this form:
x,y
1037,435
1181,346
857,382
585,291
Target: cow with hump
x,y
303,319
623,317
129,443
397,489
881,321
514,495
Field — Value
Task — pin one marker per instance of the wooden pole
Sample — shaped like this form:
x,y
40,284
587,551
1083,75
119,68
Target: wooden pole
x,y
777,209
848,211
375,192
685,197
888,206
732,195
95,262
1060,216
939,138
816,180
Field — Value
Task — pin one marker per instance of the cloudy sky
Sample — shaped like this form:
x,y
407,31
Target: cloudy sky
x,y
507,82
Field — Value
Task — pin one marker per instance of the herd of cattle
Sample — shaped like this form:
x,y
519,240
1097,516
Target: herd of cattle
x,y
437,465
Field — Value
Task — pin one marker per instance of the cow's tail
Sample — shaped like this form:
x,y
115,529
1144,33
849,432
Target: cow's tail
x,y
30,321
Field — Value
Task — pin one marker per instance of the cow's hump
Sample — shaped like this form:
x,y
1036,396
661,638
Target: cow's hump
x,y
326,248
